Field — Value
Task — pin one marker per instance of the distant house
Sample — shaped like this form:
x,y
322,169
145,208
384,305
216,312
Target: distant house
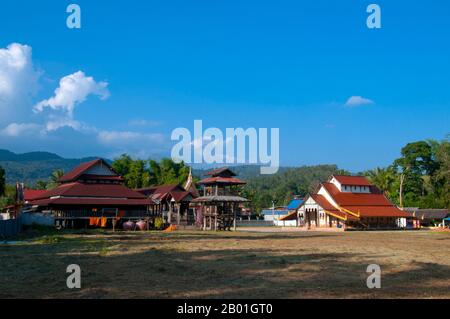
x,y
428,217
277,215
171,202
348,202
295,204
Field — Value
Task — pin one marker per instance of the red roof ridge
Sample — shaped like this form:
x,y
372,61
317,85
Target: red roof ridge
x,y
358,180
80,169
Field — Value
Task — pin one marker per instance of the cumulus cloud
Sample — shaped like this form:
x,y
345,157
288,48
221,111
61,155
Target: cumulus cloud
x,y
53,119
20,129
358,101
18,80
134,143
73,89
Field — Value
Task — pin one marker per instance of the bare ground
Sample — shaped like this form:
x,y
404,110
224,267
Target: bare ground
x,y
244,264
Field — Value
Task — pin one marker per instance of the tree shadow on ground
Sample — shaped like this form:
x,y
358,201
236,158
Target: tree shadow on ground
x,y
121,267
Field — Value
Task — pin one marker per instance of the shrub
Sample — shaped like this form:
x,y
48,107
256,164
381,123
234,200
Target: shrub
x,y
159,223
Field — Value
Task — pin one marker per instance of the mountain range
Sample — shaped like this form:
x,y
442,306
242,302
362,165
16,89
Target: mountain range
x,y
33,166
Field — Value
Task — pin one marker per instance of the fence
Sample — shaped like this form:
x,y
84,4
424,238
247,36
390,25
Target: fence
x,y
10,227
254,223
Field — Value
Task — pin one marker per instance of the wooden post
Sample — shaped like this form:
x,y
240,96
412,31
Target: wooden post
x,y
234,221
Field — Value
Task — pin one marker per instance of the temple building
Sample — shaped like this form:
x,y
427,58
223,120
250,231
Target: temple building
x,y
172,202
220,202
93,190
348,202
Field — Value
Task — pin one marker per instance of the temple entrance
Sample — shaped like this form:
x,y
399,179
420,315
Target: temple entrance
x,y
311,217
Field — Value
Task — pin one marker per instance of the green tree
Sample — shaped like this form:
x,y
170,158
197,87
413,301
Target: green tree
x,y
416,161
384,179
441,178
40,184
54,178
139,173
122,165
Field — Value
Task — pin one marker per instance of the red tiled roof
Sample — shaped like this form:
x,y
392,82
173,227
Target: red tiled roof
x,y
100,177
330,209
352,180
80,169
219,171
221,180
321,200
365,205
159,193
346,198
30,194
377,211
91,201
77,189
179,196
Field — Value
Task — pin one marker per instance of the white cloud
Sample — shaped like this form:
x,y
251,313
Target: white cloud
x,y
18,80
142,122
73,89
126,138
358,101
20,129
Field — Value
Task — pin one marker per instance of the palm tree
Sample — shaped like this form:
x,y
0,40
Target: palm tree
x,y
54,178
383,178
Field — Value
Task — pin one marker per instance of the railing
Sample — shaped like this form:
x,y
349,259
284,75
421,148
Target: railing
x,y
100,214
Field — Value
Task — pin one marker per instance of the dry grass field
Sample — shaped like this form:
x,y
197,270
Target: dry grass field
x,y
189,264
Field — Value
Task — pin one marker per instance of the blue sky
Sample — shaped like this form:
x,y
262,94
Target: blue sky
x,y
286,64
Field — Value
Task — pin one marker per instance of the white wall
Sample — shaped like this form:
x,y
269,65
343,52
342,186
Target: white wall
x,y
286,223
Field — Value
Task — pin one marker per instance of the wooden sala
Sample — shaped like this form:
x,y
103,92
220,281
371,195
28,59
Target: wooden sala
x,y
218,207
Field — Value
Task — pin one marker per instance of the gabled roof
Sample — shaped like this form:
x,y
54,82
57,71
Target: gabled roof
x,y
30,194
223,171
352,180
81,169
290,216
159,193
221,180
220,199
181,196
343,198
427,213
77,193
361,204
77,189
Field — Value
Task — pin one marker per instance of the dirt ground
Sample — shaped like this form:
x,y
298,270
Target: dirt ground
x,y
243,264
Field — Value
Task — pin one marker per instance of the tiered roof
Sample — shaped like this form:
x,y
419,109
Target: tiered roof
x,y
91,183
221,176
354,205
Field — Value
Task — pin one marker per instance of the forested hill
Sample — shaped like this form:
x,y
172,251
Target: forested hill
x,y
34,166
282,186
261,189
